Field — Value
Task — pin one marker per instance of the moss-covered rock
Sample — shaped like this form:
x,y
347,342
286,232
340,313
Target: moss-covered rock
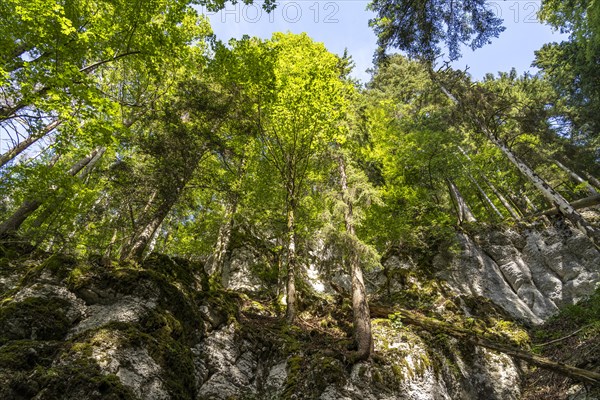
x,y
35,318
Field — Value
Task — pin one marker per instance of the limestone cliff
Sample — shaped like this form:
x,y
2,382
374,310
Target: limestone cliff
x,y
93,329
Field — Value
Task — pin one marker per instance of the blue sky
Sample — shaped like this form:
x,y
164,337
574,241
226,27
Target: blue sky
x,y
344,24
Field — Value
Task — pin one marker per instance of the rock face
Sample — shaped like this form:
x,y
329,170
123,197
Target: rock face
x,y
72,330
529,273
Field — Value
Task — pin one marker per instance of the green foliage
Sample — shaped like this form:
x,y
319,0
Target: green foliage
x,y
421,28
584,312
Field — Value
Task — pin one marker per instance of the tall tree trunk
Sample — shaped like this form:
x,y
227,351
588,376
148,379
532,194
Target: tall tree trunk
x,y
577,178
499,195
592,179
550,194
224,236
223,239
29,206
360,307
109,248
87,169
290,311
529,202
14,222
153,239
577,204
514,213
10,154
488,201
463,211
134,250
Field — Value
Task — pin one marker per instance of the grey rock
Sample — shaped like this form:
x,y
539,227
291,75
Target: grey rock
x,y
276,380
231,371
529,274
214,317
127,309
237,270
134,367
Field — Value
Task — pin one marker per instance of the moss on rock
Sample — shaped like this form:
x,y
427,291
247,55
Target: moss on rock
x,y
35,318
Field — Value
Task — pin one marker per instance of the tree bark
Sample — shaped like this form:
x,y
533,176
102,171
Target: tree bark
x,y
463,211
577,204
29,206
225,229
503,200
109,248
499,195
360,307
14,222
550,194
136,247
87,169
290,311
529,202
488,201
10,154
592,179
223,239
576,178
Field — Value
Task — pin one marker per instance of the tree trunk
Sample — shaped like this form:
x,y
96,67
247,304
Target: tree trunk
x,y
10,154
223,238
577,178
29,206
14,222
488,201
153,239
290,311
463,211
592,179
113,240
577,204
503,200
499,195
529,202
50,209
550,194
360,308
135,249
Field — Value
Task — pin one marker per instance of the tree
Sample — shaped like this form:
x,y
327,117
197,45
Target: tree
x,y
56,59
421,27
296,127
498,118
29,206
572,66
412,149
175,139
246,68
